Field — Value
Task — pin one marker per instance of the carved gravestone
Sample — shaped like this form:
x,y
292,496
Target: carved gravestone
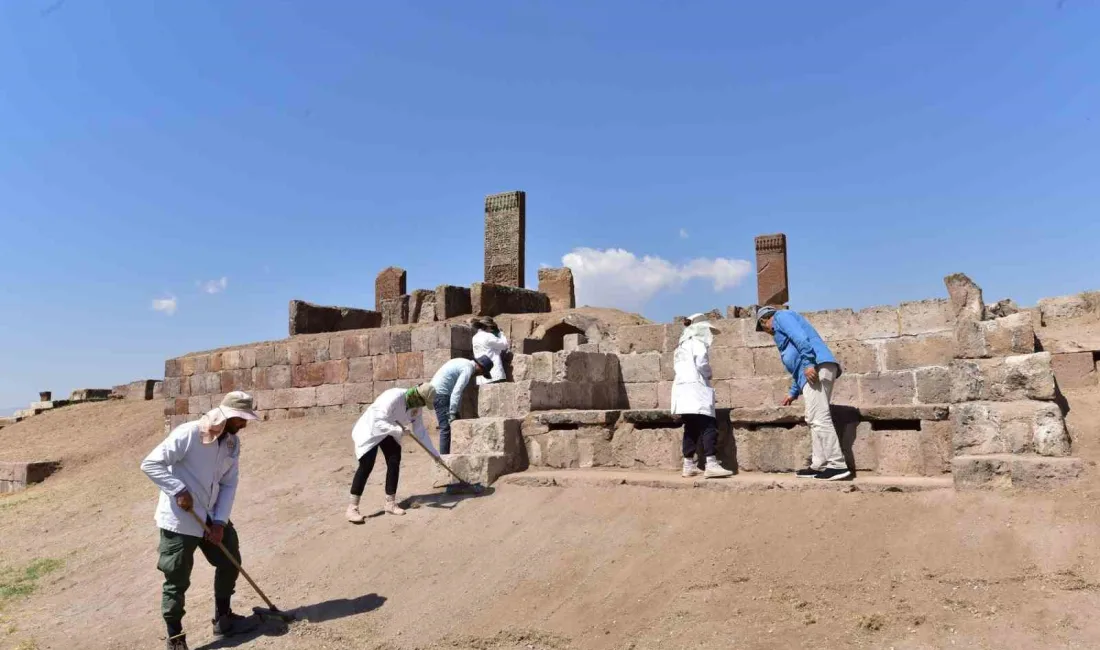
x,y
389,284
505,226
771,270
558,285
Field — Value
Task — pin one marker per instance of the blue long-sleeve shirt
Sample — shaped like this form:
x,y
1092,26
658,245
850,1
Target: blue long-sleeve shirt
x,y
451,379
800,346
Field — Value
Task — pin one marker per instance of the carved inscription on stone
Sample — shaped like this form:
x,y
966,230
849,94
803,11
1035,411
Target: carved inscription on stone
x,y
505,226
771,270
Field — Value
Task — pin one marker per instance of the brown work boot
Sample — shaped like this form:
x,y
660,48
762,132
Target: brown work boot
x,y
391,506
178,642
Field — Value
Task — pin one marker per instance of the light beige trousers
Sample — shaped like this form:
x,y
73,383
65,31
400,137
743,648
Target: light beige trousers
x,y
826,442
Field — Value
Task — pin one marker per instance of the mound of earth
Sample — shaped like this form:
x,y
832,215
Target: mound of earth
x,y
543,568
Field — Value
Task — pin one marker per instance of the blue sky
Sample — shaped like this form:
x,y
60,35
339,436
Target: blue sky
x,y
295,148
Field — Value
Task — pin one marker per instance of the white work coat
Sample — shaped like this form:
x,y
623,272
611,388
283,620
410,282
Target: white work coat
x,y
208,471
486,344
389,416
691,389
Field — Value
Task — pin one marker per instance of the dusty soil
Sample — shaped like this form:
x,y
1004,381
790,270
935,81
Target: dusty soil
x,y
547,568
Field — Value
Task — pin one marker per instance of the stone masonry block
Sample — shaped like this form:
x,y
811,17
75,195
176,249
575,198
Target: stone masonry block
x,y
771,270
750,392
310,374
395,311
846,390
642,396
265,356
557,284
380,342
389,284
488,436
1075,370
495,299
641,338
230,380
361,369
1009,428
410,365
915,351
352,346
330,395
925,317
1006,379
505,238
833,324
748,337
193,364
434,360
359,393
772,449
933,384
895,387
900,453
1009,471
312,349
965,298
335,371
877,323
451,302
638,368
385,368
199,404
854,356
308,318
725,363
1083,305
422,306
294,398
766,362
401,341
473,468
427,337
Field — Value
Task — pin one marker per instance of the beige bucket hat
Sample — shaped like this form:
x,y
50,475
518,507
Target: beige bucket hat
x,y
238,404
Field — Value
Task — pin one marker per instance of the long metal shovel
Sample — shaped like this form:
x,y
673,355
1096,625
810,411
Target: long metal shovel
x,y
271,610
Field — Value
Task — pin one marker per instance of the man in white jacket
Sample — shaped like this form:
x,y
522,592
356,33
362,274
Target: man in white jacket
x,y
381,426
490,342
693,397
196,469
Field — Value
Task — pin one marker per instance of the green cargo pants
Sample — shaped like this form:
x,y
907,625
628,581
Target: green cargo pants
x,y
177,557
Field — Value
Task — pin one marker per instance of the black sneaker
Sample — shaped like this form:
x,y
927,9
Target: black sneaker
x,y
177,642
809,472
233,624
828,474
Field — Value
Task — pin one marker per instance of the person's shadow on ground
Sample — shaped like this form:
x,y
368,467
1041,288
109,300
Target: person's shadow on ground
x,y
318,613
445,500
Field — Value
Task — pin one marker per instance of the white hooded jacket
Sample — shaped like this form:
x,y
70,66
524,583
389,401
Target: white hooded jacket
x,y
389,416
691,389
487,344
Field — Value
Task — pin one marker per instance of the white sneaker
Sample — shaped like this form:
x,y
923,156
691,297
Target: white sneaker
x,y
715,470
392,508
353,514
691,468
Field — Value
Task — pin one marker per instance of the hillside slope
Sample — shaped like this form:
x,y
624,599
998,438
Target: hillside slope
x,y
542,568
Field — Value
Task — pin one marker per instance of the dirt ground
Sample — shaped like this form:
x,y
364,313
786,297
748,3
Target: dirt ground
x,y
546,568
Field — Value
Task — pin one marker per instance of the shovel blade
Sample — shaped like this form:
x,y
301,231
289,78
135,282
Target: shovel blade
x,y
267,612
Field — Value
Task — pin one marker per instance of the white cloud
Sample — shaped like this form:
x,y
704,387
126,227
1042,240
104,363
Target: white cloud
x,y
215,286
683,233
619,278
166,305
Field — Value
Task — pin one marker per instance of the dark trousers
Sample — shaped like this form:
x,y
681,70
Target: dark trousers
x,y
443,414
391,449
177,558
699,426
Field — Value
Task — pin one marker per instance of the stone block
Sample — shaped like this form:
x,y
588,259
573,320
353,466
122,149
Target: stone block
x,y
265,356
1005,379
900,453
359,392
557,284
281,354
354,346
389,284
306,350
916,351
933,384
422,306
573,343
273,377
96,394
1009,428
1010,335
935,412
965,298
459,338
894,387
473,468
1009,471
310,374
199,404
771,270
1083,305
569,418
16,476
656,448
846,390
380,341
330,395
193,364
750,392
859,444
498,400
427,337
640,338
395,311
494,299
772,449
664,395
172,368
308,318
768,415
1075,370
748,336
637,368
289,398
877,323
433,361
216,362
400,341
925,317
725,363
833,324
854,356
171,389
230,380
410,365
385,367
452,301
766,362
560,449
505,238
641,396
936,440
335,371
488,436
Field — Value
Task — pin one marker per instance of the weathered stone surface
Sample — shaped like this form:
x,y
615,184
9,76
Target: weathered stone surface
x,y
846,390
771,270
589,418
385,367
308,318
422,306
433,361
772,449
854,357
641,338
1002,308
330,395
310,374
400,341
410,365
655,448
16,476
900,453
768,415
933,384
557,284
573,343
915,351
750,392
965,298
1082,305
915,412
288,398
395,311
389,284
925,317
1005,379
766,362
505,238
1009,335
637,368
313,349
359,392
452,301
494,299
641,396
895,387
89,394
473,468
747,336
877,323
833,324
649,417
488,436
1075,370
1009,428
725,363
1011,471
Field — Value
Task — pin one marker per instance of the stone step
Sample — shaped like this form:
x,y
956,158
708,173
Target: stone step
x,y
743,482
472,468
1014,471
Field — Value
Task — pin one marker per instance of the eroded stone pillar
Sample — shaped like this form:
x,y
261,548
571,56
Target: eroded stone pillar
x,y
505,238
389,285
771,270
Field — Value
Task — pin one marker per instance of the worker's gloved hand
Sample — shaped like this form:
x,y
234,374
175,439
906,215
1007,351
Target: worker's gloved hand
x,y
184,500
214,533
452,417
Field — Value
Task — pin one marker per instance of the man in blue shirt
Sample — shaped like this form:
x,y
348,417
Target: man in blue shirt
x,y
449,383
813,369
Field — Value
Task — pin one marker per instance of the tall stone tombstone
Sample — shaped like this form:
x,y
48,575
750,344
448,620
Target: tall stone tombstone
x,y
389,285
771,270
505,238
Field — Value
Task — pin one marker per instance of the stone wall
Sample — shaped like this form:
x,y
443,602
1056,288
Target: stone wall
x,y
494,299
313,374
308,318
17,476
